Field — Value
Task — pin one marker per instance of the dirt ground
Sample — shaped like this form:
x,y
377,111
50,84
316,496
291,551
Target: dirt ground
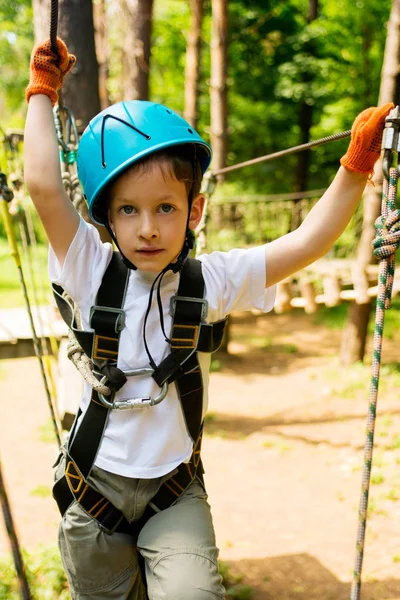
x,y
283,455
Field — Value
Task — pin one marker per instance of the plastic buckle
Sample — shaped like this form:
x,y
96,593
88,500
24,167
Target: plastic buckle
x,y
119,323
204,303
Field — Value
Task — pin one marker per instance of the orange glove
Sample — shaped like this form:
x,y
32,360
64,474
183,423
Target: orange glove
x,y
366,139
49,69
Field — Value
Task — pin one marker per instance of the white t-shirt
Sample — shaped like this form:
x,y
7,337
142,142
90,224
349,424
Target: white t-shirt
x,y
152,441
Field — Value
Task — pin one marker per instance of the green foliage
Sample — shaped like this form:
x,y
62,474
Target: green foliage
x,y
278,60
16,40
47,579
45,574
11,294
171,22
335,318
235,588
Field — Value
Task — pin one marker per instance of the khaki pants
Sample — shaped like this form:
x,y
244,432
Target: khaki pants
x,y
177,544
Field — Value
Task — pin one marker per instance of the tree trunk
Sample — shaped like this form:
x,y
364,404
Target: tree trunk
x,y
354,335
305,114
41,19
137,18
102,49
218,91
192,73
81,88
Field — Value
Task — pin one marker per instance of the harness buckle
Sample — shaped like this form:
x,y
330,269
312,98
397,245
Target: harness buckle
x,y
135,403
120,321
202,301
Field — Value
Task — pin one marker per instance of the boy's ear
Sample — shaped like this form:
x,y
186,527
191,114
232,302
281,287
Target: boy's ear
x,y
196,211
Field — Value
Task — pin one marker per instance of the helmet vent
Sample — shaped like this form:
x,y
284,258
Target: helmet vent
x,y
103,161
190,130
169,112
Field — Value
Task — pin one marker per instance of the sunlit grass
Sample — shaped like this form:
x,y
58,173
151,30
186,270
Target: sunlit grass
x,y
43,491
355,378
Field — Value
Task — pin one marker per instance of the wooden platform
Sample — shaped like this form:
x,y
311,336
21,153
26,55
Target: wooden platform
x,y
329,282
16,342
16,331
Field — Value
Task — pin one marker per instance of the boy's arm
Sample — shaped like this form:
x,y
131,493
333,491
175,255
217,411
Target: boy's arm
x,y
42,170
329,217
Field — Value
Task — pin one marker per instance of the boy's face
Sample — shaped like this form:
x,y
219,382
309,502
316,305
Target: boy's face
x,y
148,213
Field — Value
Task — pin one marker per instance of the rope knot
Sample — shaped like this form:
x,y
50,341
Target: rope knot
x,y
387,238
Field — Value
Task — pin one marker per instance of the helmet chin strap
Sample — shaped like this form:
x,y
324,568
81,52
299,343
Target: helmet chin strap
x,y
126,262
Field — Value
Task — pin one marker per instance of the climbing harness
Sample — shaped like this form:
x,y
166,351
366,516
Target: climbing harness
x,y
190,335
12,535
181,365
385,245
6,195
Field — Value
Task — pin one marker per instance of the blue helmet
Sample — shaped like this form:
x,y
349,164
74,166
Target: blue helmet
x,y
123,134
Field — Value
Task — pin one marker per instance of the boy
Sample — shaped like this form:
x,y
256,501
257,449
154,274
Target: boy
x,y
141,166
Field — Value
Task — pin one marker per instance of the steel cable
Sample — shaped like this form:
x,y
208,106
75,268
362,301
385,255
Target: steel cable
x,y
255,161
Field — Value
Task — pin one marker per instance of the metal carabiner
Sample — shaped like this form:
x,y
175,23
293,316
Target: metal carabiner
x,y
134,402
69,146
59,131
391,139
70,124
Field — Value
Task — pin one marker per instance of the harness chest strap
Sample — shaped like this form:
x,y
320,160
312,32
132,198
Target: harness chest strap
x,y
189,334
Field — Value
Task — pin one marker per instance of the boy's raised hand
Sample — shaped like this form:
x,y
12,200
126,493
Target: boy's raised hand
x,y
49,69
366,139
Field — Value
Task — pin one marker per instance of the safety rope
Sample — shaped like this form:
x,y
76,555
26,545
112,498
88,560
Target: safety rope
x,y
6,195
54,25
27,247
41,283
385,245
22,212
12,535
78,357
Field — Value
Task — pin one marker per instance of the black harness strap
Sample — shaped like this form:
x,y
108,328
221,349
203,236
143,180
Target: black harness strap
x,y
107,320
74,487
190,334
188,316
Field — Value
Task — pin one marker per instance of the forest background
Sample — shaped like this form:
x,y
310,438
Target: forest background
x,y
278,61
268,75
296,70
